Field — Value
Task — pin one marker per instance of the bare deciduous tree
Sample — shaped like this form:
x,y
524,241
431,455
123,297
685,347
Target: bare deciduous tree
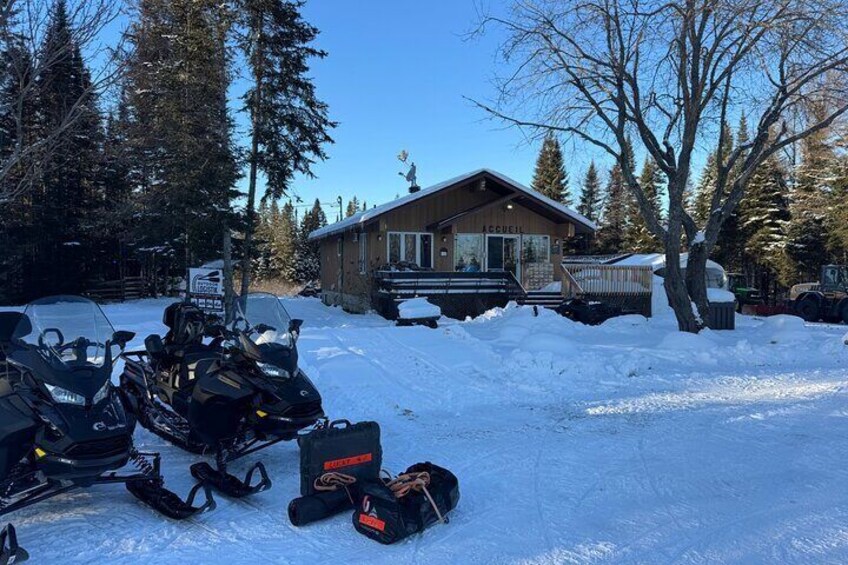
x,y
669,73
23,24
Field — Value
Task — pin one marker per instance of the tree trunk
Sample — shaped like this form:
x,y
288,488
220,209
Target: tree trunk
x,y
254,164
674,283
696,281
229,294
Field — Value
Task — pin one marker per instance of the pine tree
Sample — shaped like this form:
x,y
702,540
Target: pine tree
x,y
590,194
638,238
614,221
550,177
181,134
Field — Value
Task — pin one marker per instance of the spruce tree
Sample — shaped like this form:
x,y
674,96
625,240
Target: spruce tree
x,y
766,213
181,134
309,252
590,194
638,238
550,177
69,195
611,235
289,125
16,229
352,207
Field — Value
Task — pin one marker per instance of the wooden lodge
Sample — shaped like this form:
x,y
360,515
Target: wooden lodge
x,y
467,244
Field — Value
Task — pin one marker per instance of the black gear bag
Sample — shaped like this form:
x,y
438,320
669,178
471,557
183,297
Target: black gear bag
x,y
384,516
340,447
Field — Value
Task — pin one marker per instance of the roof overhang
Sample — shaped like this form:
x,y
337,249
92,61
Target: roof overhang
x,y
510,191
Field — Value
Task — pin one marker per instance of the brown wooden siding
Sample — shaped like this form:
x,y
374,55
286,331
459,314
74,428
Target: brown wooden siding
x,y
414,217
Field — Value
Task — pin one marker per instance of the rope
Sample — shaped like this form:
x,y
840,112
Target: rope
x,y
329,482
405,483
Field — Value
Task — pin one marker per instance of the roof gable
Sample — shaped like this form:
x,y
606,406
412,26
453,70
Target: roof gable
x,y
365,216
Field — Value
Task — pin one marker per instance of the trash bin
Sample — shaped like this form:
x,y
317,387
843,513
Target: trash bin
x,y
722,316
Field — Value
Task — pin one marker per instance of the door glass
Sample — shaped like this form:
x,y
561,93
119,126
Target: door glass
x,y
495,253
510,255
394,248
409,248
426,250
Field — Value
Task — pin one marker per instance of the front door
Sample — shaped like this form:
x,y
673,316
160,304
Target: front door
x,y
503,254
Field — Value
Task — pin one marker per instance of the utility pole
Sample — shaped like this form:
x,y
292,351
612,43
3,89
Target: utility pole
x,y
340,208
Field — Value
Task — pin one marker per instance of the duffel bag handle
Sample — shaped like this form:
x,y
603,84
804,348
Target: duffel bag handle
x,y
337,423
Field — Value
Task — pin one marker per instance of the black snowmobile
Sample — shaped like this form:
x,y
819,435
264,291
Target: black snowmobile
x,y
227,391
62,423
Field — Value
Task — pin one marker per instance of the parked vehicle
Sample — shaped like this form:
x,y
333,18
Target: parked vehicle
x,y
227,391
828,300
745,295
62,423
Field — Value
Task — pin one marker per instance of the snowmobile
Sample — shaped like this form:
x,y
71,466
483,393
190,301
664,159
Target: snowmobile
x,y
62,423
229,391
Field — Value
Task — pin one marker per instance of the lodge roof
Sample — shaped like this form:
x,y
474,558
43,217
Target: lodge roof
x,y
365,216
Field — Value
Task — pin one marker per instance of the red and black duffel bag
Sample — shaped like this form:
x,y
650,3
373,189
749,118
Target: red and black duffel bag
x,y
340,447
390,510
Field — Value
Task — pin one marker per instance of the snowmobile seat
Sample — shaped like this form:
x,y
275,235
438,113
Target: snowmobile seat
x,y
196,361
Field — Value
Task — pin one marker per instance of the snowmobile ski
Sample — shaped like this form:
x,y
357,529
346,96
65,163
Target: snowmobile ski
x,y
10,551
167,503
228,484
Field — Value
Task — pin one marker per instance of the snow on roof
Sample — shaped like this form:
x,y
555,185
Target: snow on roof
x,y
364,216
657,261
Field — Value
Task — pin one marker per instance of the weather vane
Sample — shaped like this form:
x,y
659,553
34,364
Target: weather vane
x,y
410,175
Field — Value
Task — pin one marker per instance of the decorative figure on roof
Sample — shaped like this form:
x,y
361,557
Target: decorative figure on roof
x,y
411,174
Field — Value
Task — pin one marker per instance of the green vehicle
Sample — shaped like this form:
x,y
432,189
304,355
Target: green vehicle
x,y
745,294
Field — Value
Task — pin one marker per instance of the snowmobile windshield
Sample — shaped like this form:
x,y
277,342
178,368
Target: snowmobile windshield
x,y
69,332
262,317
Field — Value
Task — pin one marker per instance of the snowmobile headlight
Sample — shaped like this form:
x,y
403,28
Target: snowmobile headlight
x,y
102,393
64,396
273,370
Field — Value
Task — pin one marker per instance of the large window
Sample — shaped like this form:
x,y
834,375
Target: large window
x,y
536,248
468,253
415,248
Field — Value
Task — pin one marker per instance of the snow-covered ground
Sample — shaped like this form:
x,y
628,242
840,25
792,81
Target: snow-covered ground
x,y
627,442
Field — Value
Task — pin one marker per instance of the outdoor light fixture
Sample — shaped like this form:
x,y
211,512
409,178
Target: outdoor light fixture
x,y
509,206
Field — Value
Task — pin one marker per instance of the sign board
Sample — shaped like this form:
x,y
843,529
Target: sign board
x,y
206,289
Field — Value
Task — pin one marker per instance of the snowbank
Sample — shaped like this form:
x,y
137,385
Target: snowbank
x,y
418,309
720,296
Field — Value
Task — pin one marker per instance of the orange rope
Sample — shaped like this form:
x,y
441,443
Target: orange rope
x,y
405,483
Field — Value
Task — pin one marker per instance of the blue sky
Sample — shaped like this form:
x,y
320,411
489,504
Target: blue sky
x,y
396,78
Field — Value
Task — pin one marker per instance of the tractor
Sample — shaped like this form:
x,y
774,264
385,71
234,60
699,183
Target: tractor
x,y
826,301
746,295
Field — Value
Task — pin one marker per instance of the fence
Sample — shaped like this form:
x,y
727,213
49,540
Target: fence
x,y
128,288
628,287
457,294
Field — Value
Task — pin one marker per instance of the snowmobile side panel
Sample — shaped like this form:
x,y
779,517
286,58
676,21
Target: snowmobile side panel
x,y
218,404
17,432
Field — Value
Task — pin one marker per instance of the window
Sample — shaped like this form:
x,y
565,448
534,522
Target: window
x,y
363,253
536,248
415,248
468,253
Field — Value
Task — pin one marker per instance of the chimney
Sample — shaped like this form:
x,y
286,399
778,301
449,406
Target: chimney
x,y
414,188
